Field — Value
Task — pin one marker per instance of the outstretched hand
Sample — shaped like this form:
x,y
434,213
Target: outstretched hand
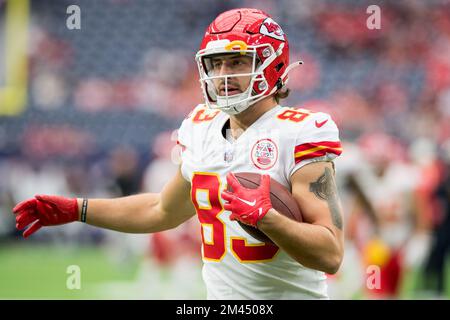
x,y
44,210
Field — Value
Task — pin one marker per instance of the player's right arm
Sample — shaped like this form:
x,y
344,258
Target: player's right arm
x,y
142,213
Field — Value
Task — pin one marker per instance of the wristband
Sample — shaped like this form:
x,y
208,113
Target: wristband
x,y
84,210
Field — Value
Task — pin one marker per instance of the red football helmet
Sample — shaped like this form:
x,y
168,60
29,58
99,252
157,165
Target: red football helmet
x,y
247,32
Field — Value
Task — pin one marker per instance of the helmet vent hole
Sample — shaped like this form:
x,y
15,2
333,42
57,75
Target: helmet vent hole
x,y
279,66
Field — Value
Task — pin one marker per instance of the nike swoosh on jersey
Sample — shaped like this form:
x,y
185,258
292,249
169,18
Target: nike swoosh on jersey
x,y
320,124
247,202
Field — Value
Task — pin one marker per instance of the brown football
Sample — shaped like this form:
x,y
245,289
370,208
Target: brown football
x,y
282,201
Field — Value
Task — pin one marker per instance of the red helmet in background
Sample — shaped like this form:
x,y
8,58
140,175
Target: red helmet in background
x,y
248,32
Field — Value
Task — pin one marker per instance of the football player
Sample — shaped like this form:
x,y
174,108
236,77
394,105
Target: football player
x,y
243,64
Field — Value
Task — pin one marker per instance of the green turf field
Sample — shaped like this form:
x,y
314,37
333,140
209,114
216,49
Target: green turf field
x,y
40,272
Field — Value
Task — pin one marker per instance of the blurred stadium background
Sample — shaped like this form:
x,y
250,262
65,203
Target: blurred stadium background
x,y
91,112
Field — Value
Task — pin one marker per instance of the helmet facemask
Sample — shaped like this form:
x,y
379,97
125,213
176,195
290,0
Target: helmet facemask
x,y
234,103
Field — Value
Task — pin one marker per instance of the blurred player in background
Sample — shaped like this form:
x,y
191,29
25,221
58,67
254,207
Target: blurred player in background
x,y
390,183
435,280
173,252
243,64
386,224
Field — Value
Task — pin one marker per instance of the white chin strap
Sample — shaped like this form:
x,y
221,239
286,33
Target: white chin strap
x,y
234,104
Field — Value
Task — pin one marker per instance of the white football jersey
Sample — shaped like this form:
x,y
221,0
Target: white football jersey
x,y
236,265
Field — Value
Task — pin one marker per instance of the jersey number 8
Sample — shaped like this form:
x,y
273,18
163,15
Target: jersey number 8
x,y
207,186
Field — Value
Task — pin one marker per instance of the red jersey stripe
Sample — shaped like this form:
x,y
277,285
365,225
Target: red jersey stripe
x,y
310,145
315,152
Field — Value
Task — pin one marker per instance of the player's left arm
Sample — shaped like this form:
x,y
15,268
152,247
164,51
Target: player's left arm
x,y
318,242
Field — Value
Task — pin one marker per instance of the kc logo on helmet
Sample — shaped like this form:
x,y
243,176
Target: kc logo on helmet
x,y
272,29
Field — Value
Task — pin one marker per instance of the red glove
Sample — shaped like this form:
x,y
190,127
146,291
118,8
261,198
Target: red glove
x,y
45,210
247,205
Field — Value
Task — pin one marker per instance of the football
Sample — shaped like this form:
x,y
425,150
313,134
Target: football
x,y
282,201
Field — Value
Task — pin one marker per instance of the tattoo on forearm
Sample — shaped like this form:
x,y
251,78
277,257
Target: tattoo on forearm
x,y
325,189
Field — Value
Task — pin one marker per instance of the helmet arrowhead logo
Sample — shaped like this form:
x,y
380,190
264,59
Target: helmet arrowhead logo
x,y
272,29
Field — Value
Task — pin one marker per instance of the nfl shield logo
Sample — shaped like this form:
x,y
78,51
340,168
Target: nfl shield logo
x,y
228,156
